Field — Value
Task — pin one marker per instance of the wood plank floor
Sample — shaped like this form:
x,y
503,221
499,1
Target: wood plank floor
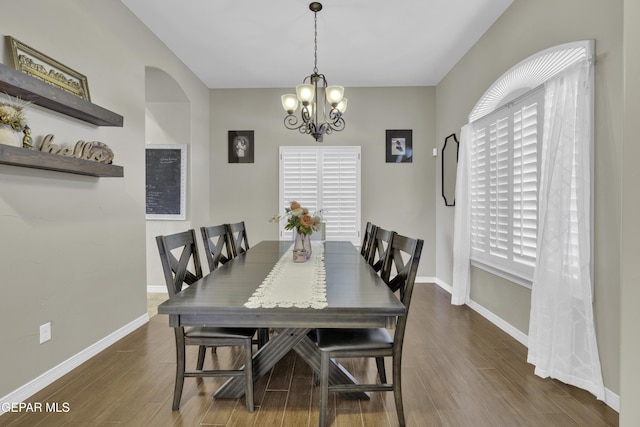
x,y
459,370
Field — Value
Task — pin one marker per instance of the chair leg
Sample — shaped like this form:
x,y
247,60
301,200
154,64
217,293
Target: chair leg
x,y
397,390
201,352
248,372
263,336
177,391
382,373
324,388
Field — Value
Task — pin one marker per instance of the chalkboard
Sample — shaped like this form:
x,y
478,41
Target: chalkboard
x,y
166,174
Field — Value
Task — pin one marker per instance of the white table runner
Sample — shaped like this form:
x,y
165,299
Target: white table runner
x,y
291,284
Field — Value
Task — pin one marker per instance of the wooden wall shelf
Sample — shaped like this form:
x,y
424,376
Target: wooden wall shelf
x,y
18,156
19,84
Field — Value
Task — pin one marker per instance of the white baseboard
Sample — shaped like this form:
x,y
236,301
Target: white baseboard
x,y
34,386
156,289
514,332
611,399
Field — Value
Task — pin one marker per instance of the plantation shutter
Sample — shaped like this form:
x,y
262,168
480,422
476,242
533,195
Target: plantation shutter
x,y
504,186
499,184
299,176
527,130
340,194
479,189
323,179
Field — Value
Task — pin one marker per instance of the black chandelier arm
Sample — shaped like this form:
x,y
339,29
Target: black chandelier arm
x,y
335,115
336,121
305,114
291,122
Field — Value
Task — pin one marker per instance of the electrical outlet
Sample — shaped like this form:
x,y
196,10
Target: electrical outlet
x,y
435,152
45,332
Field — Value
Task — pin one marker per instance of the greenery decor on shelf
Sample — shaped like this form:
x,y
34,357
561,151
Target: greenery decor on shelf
x,y
13,115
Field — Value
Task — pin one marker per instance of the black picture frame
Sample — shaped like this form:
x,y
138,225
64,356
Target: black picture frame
x,y
241,146
399,146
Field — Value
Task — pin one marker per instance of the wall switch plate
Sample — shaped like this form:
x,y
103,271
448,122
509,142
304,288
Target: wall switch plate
x,y
435,152
45,332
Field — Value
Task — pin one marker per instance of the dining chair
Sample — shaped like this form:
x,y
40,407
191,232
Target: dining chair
x,y
379,250
186,270
217,245
400,269
369,231
238,235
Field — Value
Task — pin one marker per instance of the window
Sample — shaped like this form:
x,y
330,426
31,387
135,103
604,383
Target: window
x,y
504,185
505,139
323,178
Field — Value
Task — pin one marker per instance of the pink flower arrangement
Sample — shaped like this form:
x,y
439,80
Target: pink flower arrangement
x,y
298,218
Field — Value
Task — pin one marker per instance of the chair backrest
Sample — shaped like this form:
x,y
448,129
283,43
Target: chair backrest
x,y
238,235
365,249
399,273
176,270
217,245
380,245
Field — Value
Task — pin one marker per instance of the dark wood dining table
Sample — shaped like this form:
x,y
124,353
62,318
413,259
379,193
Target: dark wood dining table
x,y
356,298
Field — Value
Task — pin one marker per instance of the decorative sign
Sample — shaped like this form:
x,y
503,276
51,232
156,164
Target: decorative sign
x,y
36,64
166,181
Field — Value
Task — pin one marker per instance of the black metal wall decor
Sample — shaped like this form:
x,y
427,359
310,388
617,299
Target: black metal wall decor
x,y
449,169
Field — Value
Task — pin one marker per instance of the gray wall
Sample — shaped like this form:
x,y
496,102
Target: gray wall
x,y
73,247
630,338
524,29
394,196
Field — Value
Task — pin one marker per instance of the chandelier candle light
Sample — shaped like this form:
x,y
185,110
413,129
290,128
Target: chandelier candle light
x,y
313,87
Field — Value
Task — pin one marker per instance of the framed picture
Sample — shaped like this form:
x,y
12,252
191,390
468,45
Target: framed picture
x,y
38,65
166,181
399,146
240,146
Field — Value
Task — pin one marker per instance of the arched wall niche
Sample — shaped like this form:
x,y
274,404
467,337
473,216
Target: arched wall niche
x,y
161,87
167,121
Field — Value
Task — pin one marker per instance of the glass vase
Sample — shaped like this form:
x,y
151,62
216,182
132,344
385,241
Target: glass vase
x,y
301,247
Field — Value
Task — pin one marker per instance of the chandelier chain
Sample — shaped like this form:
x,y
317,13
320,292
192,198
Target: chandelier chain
x,y
315,42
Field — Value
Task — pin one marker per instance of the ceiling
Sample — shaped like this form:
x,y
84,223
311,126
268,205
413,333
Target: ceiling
x,y
259,44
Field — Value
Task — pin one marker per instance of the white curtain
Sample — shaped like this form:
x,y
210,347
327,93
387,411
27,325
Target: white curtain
x,y
462,222
562,339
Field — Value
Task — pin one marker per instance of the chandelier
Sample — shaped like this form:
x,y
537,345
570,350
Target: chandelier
x,y
316,118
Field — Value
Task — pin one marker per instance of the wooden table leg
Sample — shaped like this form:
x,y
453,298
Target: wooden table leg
x,y
263,360
307,349
275,349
